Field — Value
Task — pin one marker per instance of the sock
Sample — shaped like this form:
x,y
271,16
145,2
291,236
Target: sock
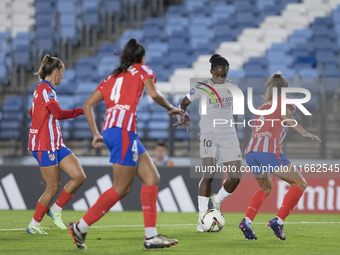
x,y
255,204
221,195
61,201
289,202
202,205
102,206
39,213
279,220
82,226
150,232
34,223
148,197
248,220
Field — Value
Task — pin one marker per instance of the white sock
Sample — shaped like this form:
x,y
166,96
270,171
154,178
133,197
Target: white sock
x,y
34,223
82,226
247,220
56,208
150,232
202,205
279,220
221,195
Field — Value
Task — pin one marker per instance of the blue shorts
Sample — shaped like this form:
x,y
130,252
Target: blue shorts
x,y
124,146
260,162
50,158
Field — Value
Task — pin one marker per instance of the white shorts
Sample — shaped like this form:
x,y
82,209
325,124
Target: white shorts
x,y
223,150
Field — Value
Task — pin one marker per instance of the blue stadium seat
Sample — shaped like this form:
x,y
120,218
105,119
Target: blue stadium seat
x,y
236,73
176,10
308,73
204,22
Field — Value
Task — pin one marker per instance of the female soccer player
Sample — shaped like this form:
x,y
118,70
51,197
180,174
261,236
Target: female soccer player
x,y
218,143
121,92
264,155
48,148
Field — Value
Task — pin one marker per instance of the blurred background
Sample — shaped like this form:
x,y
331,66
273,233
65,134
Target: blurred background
x,y
257,37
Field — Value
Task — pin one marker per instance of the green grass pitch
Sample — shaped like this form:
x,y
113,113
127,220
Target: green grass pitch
x,y
123,233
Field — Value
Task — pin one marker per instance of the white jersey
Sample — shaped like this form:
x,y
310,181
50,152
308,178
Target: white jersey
x,y
215,111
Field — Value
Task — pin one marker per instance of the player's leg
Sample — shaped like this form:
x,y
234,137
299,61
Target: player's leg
x,y
256,161
51,176
149,175
229,185
229,153
69,164
204,188
121,144
122,183
298,184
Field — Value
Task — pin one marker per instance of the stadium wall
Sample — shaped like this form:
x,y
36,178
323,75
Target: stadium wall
x,y
21,186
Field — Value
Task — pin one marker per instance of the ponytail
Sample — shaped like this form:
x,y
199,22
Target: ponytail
x,y
133,53
47,66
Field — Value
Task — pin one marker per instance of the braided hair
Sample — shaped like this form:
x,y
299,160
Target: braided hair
x,y
133,53
218,60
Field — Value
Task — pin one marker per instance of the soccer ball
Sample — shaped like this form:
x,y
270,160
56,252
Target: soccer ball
x,y
212,221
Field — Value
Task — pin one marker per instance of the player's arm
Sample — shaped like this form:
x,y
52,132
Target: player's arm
x,y
183,106
60,114
91,102
290,120
157,96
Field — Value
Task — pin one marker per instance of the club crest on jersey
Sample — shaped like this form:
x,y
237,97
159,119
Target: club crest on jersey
x,y
135,156
51,95
206,151
51,156
192,91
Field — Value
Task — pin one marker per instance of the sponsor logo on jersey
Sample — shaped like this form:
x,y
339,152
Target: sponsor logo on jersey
x,y
34,131
51,156
119,107
192,91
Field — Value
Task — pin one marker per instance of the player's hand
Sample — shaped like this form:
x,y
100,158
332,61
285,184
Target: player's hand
x,y
185,121
174,111
311,136
97,141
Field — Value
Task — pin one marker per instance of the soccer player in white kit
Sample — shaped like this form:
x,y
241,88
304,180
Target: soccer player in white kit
x,y
218,144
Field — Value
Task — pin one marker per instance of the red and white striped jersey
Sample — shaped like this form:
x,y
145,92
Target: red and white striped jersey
x,y
269,136
45,133
122,94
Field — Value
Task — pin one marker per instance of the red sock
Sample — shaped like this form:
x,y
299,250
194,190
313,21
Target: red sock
x,y
149,198
39,213
63,199
255,204
102,206
289,202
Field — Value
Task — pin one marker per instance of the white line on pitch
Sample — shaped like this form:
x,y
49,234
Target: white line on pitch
x,y
179,225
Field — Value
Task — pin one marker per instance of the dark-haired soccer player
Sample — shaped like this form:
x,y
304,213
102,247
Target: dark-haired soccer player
x,y
218,143
264,155
121,92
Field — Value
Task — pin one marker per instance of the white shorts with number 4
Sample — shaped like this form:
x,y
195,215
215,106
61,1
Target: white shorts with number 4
x,y
223,150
